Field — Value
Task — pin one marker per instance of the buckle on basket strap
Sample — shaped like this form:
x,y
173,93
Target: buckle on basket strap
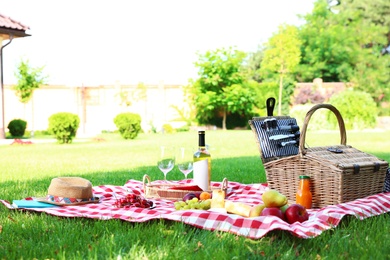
x,y
335,150
356,168
376,167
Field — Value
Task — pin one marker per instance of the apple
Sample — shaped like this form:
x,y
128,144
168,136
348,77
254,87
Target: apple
x,y
273,212
296,212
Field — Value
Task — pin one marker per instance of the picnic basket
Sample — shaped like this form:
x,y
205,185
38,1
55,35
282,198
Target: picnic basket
x,y
338,173
271,150
165,191
267,127
386,186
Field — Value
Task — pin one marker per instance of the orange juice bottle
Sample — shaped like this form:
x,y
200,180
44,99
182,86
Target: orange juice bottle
x,y
304,196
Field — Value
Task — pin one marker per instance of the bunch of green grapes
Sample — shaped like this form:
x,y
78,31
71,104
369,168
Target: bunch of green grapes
x,y
193,203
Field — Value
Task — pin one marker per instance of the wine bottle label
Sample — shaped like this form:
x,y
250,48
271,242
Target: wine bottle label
x,y
201,175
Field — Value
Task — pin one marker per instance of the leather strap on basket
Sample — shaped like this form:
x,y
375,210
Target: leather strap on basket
x,y
343,135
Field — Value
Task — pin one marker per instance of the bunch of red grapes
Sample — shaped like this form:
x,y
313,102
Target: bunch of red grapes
x,y
133,200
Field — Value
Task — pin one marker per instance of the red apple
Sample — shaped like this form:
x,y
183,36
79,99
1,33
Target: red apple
x,y
296,212
273,212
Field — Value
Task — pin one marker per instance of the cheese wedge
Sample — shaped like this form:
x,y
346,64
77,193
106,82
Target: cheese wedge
x,y
218,199
238,208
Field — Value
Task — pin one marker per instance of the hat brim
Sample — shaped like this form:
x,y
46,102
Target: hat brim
x,y
92,200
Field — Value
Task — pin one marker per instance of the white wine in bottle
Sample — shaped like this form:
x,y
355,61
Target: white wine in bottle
x,y
202,164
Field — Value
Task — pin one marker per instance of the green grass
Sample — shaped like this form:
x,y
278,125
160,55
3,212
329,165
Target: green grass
x,y
26,170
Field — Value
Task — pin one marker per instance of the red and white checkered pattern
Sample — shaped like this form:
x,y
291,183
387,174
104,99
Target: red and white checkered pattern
x,y
254,228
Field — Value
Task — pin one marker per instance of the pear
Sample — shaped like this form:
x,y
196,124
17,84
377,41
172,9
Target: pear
x,y
284,208
256,210
274,199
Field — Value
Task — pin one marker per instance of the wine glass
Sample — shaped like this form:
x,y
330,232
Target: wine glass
x,y
185,161
166,161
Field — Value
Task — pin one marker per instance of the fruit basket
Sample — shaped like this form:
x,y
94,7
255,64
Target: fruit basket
x,y
338,173
173,191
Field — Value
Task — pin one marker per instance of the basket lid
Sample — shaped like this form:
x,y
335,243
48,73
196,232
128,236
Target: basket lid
x,y
349,157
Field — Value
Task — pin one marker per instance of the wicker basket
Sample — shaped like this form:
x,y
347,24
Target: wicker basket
x,y
386,186
338,173
164,191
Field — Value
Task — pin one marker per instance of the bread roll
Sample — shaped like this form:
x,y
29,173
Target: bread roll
x,y
218,199
238,208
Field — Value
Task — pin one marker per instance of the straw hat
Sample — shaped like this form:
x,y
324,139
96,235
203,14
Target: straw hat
x,y
70,191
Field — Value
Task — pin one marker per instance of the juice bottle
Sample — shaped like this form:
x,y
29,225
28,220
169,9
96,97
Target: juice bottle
x,y
304,196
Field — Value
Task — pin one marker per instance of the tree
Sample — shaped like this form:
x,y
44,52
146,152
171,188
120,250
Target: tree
x,y
221,87
375,11
372,18
254,63
29,79
282,55
342,44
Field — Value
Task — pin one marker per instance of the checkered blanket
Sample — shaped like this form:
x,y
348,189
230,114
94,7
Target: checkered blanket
x,y
254,228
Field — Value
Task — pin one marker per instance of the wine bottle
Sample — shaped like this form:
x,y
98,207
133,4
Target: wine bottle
x,y
202,164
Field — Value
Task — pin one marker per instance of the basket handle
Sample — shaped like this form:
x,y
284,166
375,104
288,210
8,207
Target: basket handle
x,y
224,185
145,179
343,135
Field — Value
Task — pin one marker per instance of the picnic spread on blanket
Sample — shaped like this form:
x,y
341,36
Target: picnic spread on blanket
x,y
308,190
254,227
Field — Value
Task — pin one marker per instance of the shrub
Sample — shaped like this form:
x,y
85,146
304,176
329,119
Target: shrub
x,y
168,129
64,126
357,108
37,133
128,124
309,94
184,128
17,127
319,120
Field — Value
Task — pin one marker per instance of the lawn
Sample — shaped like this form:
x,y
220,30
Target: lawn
x,y
26,170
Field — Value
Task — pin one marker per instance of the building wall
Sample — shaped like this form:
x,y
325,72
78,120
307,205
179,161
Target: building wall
x,y
96,106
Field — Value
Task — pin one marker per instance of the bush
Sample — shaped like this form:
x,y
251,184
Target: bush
x,y
128,124
357,108
17,127
184,128
319,120
64,126
168,129
37,133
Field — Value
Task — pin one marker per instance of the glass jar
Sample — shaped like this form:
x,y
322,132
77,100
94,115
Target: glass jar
x,y
304,196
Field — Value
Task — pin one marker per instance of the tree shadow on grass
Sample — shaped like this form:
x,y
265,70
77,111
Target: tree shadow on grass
x,y
239,169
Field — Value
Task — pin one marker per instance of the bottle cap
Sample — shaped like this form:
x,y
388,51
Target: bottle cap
x,y
304,177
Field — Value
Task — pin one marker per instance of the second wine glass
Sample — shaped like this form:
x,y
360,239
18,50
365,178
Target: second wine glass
x,y
185,161
166,161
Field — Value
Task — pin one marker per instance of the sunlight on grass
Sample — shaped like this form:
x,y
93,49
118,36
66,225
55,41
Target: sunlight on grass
x,y
26,170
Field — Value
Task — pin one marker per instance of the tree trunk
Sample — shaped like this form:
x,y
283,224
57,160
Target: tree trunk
x,y
224,119
280,95
32,116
